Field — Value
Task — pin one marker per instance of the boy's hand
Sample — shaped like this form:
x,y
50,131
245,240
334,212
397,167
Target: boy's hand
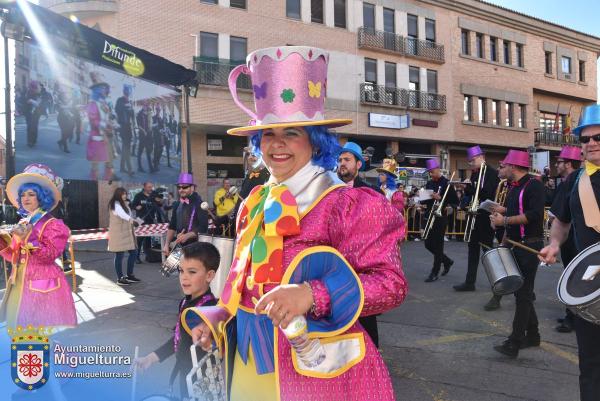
x,y
145,362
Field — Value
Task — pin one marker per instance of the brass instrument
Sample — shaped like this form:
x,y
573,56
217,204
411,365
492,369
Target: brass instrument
x,y
501,192
436,210
474,206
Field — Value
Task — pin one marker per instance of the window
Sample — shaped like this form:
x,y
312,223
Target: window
x,y
388,20
509,109
482,110
432,81
464,41
237,4
371,71
506,48
369,16
468,108
566,64
413,78
548,58
292,9
519,49
581,71
413,34
238,49
339,13
430,30
316,11
209,1
209,45
390,83
521,115
495,112
479,45
493,48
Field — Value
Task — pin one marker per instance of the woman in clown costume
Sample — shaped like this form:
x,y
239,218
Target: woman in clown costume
x,y
37,291
302,249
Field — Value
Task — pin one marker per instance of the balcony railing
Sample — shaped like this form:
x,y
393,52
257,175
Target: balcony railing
x,y
554,138
217,73
410,47
403,98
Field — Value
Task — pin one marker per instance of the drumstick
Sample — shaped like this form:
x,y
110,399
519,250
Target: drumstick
x,y
133,385
485,246
525,247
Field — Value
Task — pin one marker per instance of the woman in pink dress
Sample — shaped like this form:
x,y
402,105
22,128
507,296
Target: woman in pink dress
x,y
306,245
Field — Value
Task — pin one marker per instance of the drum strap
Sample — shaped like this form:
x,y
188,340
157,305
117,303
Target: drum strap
x,y
589,204
521,208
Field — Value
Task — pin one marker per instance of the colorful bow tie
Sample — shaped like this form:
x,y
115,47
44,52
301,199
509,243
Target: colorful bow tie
x,y
590,168
254,174
185,200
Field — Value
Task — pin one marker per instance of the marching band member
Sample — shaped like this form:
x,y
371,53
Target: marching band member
x,y
294,233
388,185
568,161
37,292
571,207
257,174
434,242
523,222
482,231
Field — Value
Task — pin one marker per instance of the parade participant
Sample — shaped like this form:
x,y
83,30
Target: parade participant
x,y
523,222
126,121
143,204
188,219
37,292
568,161
388,185
144,123
482,231
158,126
196,271
299,226
571,208
33,110
121,238
99,146
225,201
65,120
350,162
257,174
434,242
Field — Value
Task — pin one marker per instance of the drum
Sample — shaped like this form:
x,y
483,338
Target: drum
x,y
502,270
171,264
159,397
579,285
226,248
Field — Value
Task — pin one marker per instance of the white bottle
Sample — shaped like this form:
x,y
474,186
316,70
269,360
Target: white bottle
x,y
310,351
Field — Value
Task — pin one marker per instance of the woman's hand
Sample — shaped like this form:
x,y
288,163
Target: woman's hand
x,y
285,302
145,362
202,336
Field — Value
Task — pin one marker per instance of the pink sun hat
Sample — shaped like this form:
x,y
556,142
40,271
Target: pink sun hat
x,y
570,153
289,84
517,158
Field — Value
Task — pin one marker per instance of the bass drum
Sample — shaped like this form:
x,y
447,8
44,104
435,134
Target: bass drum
x,y
226,247
159,397
579,285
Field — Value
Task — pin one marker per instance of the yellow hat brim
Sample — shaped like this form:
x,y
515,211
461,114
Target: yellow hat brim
x,y
13,185
382,170
252,129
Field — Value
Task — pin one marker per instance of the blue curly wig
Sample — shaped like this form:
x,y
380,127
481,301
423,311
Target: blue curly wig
x,y
325,143
96,91
390,181
44,196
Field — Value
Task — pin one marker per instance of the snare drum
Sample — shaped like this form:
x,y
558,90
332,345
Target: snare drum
x,y
579,285
171,264
226,247
502,270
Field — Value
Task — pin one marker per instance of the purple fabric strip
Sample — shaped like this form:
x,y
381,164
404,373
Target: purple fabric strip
x,y
522,227
204,299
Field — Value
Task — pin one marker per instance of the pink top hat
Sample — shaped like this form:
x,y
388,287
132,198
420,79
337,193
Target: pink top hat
x,y
432,164
570,153
289,85
517,158
473,151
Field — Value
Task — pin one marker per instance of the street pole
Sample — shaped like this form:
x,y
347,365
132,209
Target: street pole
x,y
188,143
10,168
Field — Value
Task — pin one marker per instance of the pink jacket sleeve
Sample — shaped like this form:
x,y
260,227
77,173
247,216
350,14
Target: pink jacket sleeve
x,y
52,242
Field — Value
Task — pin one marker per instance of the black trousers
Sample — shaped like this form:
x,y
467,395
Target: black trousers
x,y
568,251
32,121
144,146
369,323
525,321
435,243
482,232
588,335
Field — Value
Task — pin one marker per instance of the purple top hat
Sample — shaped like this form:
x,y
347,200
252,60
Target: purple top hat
x,y
473,151
517,158
185,179
570,153
289,85
432,164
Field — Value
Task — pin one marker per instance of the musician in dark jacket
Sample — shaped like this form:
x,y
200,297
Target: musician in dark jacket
x,y
143,120
568,209
257,175
125,119
482,231
158,126
434,242
523,220
188,219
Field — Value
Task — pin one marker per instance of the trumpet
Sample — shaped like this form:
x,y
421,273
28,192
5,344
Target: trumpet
x,y
501,192
474,206
436,210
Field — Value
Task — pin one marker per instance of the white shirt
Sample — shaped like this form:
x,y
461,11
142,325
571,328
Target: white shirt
x,y
120,212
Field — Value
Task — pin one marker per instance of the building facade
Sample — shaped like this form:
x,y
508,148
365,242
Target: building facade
x,y
423,77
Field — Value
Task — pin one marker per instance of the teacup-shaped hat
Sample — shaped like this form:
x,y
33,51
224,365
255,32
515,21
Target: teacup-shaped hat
x,y
289,85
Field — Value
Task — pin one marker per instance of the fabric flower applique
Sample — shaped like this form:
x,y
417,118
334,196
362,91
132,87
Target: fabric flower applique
x,y
314,89
288,95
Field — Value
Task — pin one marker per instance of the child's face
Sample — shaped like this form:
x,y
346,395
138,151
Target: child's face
x,y
194,278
